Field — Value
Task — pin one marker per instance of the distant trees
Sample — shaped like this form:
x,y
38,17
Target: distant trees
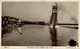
x,y
29,22
7,22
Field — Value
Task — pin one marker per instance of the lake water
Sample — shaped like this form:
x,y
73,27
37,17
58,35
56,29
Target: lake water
x,y
37,35
32,35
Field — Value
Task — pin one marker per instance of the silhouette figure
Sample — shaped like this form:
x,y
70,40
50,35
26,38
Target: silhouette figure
x,y
72,42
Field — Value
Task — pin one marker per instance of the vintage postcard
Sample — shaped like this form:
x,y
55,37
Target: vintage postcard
x,y
40,23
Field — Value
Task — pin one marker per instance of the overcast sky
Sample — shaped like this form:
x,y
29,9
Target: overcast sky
x,y
34,11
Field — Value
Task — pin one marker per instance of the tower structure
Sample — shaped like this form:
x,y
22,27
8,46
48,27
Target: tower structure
x,y
53,23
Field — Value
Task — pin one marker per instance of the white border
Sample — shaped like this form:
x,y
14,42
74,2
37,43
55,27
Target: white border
x,y
41,47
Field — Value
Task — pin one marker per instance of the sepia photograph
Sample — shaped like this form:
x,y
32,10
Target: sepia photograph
x,y
39,24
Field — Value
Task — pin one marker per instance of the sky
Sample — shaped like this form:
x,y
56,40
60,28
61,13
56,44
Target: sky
x,y
41,11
